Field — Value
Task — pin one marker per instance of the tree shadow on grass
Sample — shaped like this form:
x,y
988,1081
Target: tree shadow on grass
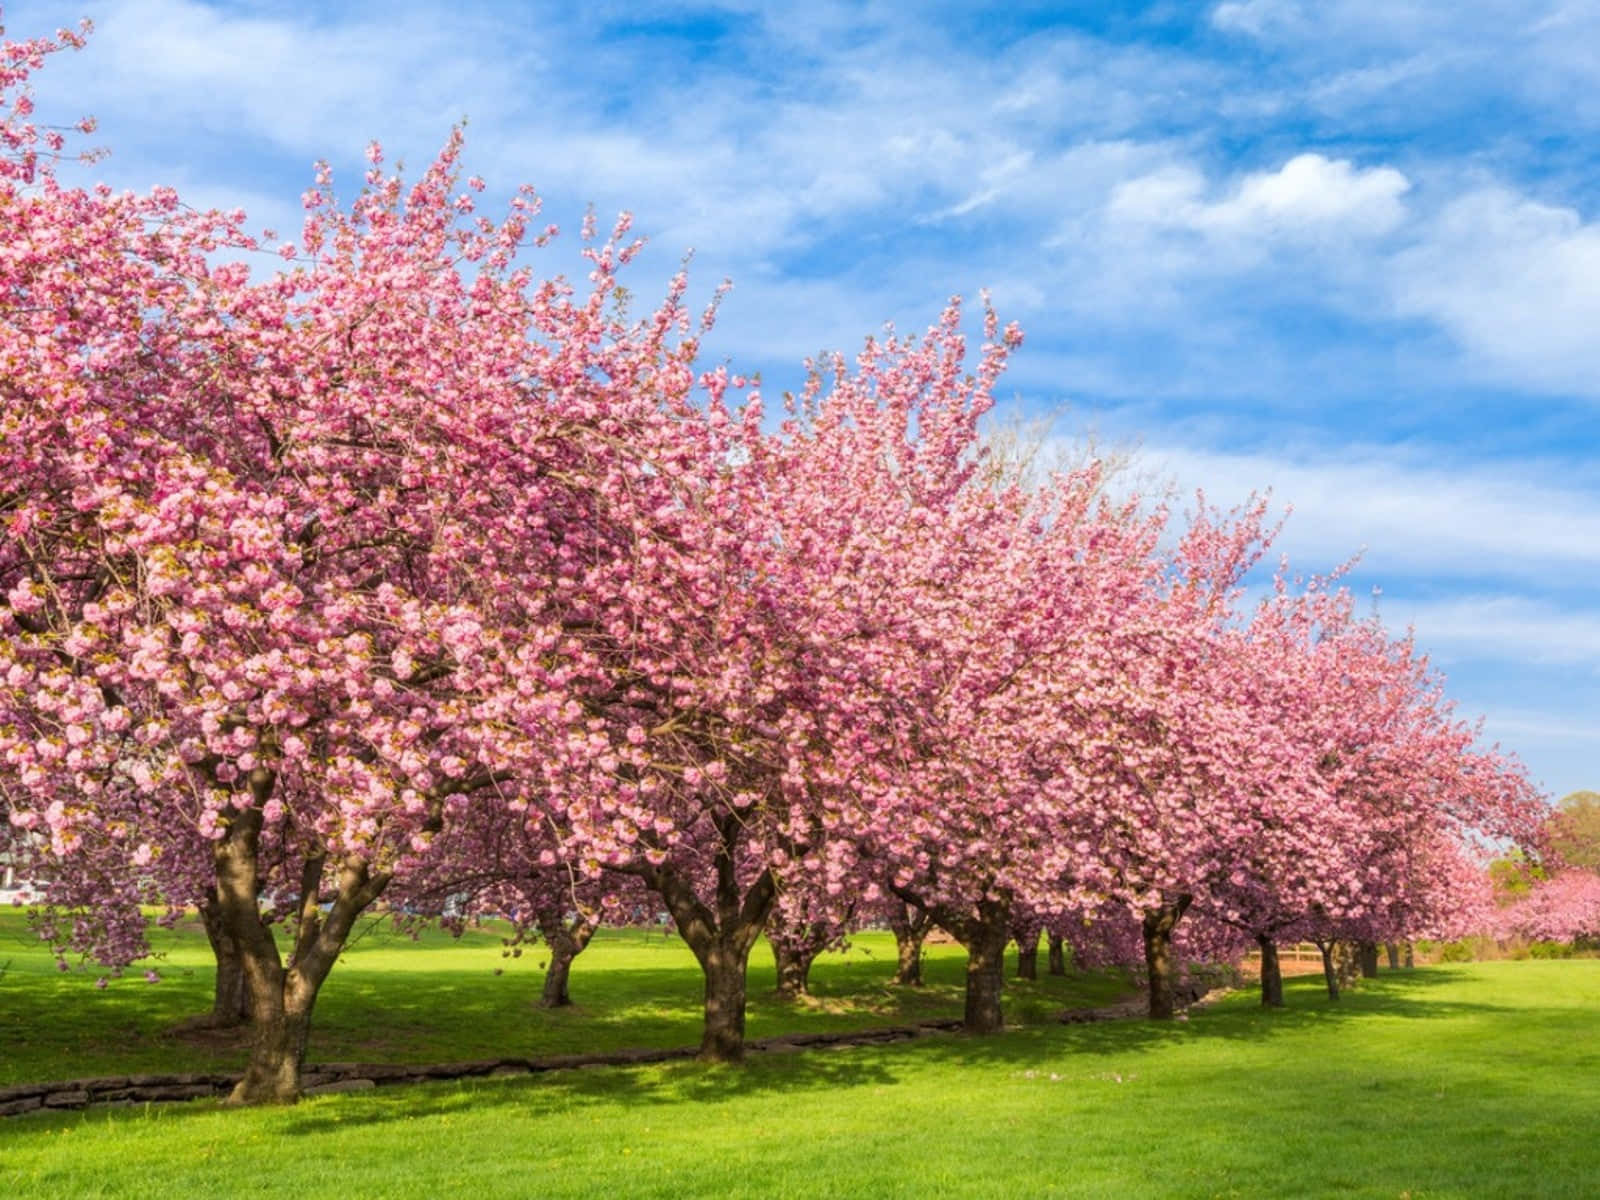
x,y
1019,1048
660,1010
842,1068
363,1016
1411,996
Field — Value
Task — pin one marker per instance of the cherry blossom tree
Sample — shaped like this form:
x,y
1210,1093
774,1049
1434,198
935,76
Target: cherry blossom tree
x,y
297,577
1387,791
739,706
1563,908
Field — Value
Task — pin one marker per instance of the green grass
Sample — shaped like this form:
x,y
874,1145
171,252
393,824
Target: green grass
x,y
439,999
1470,1080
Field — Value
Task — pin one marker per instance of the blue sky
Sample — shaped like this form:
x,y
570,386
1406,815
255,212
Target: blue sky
x,y
1345,249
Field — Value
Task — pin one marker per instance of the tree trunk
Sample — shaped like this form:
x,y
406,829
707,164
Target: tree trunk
x,y
566,942
1410,955
278,1051
230,1002
554,993
1369,960
1330,972
722,1039
1057,957
986,950
984,931
1028,959
910,925
1271,974
721,938
1158,926
794,971
1347,965
1393,951
282,997
908,970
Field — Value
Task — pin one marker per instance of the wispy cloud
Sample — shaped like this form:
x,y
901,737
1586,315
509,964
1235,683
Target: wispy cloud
x,y
1509,627
1410,518
1516,282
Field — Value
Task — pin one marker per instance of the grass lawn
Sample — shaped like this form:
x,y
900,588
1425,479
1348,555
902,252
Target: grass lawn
x,y
439,999
1462,1080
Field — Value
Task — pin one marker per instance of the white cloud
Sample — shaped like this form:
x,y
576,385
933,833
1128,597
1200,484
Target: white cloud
x,y
1515,282
302,85
1379,83
1311,191
993,181
1254,17
1412,518
1309,196
1561,725
1512,627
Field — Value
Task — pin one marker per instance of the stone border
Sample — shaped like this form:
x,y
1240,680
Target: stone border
x,y
328,1078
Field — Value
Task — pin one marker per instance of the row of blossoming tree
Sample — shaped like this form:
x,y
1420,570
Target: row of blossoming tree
x,y
402,572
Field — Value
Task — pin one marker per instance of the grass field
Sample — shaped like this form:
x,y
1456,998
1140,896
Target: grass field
x,y
439,999
1463,1080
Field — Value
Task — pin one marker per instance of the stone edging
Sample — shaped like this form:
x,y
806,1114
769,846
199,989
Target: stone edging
x,y
327,1078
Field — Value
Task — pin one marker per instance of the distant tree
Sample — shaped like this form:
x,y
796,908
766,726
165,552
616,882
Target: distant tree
x,y
1512,876
1565,908
1575,830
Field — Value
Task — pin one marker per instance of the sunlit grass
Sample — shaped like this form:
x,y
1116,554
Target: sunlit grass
x,y
1477,1080
440,999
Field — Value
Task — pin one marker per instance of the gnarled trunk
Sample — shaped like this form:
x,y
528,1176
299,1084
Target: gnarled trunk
x,y
1271,973
1057,957
1392,950
910,925
1157,927
908,964
794,969
1410,955
1369,960
984,930
281,997
721,939
283,1002
566,942
1346,966
986,950
230,999
1028,958
554,993
725,965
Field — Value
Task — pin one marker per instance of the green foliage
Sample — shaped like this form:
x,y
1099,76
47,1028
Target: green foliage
x,y
1575,830
1478,1080
1550,950
1462,950
1513,877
